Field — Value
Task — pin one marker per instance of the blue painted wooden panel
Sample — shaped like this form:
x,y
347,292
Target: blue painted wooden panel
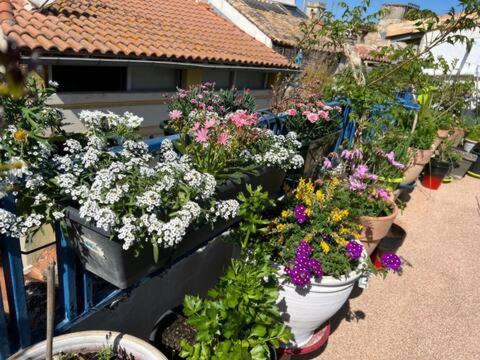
x,y
67,275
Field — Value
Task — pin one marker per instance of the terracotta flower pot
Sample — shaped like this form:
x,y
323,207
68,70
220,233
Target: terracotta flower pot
x,y
412,173
376,228
457,136
422,157
442,134
436,143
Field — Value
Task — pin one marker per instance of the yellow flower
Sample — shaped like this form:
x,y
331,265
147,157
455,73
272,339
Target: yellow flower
x,y
308,237
307,200
281,227
357,235
285,213
343,231
308,212
338,215
340,240
309,188
320,196
334,183
20,135
325,247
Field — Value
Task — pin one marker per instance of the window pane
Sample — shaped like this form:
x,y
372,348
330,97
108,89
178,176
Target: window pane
x,y
250,80
153,78
90,78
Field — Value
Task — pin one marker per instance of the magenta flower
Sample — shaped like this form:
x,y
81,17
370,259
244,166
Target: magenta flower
x,y
312,117
175,114
196,126
324,115
202,105
222,138
210,123
327,164
292,112
361,171
391,261
357,153
391,159
193,101
201,135
300,215
320,104
327,108
382,194
304,266
221,108
347,154
355,184
210,107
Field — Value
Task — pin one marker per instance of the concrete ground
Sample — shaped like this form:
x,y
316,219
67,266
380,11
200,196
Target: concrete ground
x,y
432,309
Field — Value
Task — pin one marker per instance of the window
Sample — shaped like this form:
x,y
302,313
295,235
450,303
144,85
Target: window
x,y
90,78
149,78
250,80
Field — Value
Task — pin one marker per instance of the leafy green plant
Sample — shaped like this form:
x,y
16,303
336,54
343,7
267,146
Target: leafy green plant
x,y
446,153
474,133
240,318
253,203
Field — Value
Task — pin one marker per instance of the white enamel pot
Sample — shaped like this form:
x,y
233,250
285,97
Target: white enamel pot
x,y
91,341
305,310
468,145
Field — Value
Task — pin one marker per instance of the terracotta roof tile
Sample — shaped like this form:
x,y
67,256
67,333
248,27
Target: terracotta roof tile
x,y
167,29
279,22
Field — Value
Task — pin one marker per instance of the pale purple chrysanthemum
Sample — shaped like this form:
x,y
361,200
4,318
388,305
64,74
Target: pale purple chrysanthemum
x,y
354,250
361,171
391,159
355,184
382,194
357,153
347,154
300,215
327,164
391,261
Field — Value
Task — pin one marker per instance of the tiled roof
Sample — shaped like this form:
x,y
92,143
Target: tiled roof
x,y
280,23
177,30
365,53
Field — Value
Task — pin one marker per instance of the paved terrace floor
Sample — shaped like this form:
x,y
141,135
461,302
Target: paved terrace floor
x,y
432,310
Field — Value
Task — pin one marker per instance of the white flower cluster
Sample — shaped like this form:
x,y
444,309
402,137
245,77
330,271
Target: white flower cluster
x,y
122,193
8,223
282,151
95,120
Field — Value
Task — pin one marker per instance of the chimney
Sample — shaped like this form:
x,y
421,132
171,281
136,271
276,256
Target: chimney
x,y
315,8
396,12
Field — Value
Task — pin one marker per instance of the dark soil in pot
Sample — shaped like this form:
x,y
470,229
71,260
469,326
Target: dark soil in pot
x,y
171,330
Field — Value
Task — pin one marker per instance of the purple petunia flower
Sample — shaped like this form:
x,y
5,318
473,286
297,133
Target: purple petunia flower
x,y
391,261
354,250
315,268
300,215
391,159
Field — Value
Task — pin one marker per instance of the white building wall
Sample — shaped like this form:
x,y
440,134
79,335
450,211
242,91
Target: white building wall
x,y
240,21
152,106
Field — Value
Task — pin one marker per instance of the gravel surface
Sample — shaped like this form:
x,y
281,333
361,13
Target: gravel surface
x,y
431,311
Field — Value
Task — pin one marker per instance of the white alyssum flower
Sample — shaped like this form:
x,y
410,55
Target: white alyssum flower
x,y
8,223
227,209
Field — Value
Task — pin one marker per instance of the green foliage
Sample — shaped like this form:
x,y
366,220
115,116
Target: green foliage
x,y
240,318
446,153
252,206
474,133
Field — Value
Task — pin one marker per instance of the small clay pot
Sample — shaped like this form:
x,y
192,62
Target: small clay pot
x,y
422,157
376,228
442,134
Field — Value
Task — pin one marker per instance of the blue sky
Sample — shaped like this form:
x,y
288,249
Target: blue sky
x,y
439,6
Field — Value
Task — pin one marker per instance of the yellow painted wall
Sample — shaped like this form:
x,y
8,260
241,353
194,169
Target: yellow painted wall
x,y
191,77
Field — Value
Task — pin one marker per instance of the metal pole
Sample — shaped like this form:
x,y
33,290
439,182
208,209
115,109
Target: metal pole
x,y
50,309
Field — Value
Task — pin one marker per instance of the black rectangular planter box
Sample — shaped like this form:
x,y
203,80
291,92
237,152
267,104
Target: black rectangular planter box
x,y
123,268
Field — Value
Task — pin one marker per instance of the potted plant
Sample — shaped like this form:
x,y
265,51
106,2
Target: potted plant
x,y
440,166
240,317
128,215
93,344
230,145
317,126
315,244
472,138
